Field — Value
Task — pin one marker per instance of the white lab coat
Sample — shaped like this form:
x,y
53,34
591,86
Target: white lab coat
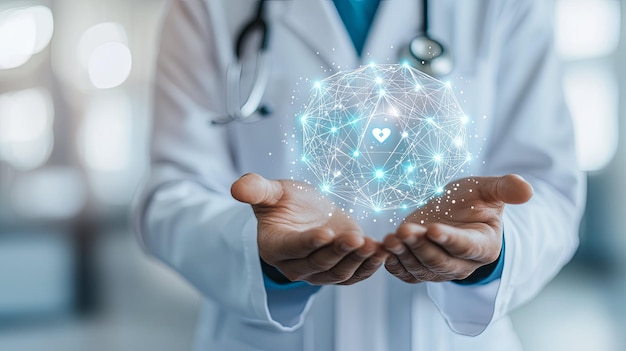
x,y
507,80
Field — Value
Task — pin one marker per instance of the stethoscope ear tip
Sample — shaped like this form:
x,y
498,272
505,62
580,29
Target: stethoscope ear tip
x,y
264,111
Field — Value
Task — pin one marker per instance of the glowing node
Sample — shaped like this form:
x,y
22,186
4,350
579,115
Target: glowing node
x,y
381,92
464,119
437,158
317,85
333,129
379,80
355,153
405,134
380,174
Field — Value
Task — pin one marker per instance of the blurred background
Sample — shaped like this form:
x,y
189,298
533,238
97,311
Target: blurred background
x,y
74,115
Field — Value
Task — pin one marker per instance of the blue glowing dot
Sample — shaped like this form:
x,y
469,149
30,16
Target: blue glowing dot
x,y
317,85
417,87
464,119
303,119
405,64
379,80
405,134
437,158
410,169
448,84
469,157
303,158
356,153
440,190
382,92
404,207
326,187
333,129
379,174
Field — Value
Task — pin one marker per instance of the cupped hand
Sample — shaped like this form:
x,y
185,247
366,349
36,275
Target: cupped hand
x,y
455,234
305,236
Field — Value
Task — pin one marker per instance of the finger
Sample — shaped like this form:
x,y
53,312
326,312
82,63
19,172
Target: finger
x,y
325,258
435,264
400,247
253,189
476,242
510,189
395,267
369,267
292,246
347,266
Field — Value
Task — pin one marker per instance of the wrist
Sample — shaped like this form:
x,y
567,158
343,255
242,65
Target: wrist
x,y
487,273
275,280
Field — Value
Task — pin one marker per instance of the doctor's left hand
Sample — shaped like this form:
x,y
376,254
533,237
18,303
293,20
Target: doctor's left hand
x,y
305,236
455,234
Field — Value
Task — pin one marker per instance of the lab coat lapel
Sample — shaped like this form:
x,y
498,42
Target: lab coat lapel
x,y
317,23
395,24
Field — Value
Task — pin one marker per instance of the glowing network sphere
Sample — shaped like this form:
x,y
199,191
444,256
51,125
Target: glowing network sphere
x,y
383,136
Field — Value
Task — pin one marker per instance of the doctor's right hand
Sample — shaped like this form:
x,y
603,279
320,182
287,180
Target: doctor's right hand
x,y
305,236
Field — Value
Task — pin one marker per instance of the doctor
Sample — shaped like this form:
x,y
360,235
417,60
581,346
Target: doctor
x,y
275,270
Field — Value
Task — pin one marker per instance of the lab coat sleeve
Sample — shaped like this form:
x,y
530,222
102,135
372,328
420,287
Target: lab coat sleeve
x,y
185,215
532,135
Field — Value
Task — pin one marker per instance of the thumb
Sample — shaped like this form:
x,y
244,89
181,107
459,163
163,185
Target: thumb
x,y
510,189
253,189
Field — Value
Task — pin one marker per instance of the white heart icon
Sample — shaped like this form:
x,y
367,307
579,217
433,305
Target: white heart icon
x,y
381,134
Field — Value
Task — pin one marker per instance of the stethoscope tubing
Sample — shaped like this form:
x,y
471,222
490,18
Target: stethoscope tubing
x,y
434,59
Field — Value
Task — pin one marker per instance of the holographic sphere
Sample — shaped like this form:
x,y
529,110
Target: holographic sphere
x,y
383,136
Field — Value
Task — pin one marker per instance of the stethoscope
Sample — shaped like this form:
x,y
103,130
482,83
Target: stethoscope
x,y
422,52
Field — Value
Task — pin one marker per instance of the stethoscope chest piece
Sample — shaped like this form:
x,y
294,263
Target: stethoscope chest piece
x,y
428,56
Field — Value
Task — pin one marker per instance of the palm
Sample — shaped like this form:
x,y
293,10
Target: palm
x,y
457,233
305,236
301,208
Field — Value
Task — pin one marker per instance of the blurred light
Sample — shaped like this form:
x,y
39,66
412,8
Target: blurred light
x,y
45,26
26,136
105,136
49,193
591,93
103,52
109,65
24,32
586,29
97,35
